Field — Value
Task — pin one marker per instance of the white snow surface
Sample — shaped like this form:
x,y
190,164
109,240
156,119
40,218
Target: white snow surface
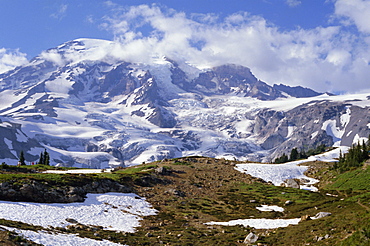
x,y
259,223
278,173
58,239
76,171
113,211
267,208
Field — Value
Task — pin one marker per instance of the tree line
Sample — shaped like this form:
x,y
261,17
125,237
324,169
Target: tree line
x,y
356,155
44,158
297,155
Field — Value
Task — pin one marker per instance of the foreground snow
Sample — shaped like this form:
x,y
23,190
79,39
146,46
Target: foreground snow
x,y
113,211
278,173
77,171
259,223
58,239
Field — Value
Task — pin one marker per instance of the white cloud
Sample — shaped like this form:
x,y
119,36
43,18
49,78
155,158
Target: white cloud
x,y
293,3
61,12
53,56
10,59
323,58
356,11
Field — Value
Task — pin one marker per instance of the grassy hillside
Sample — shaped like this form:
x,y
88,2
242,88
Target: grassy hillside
x,y
192,191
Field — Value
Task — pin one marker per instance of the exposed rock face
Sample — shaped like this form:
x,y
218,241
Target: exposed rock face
x,y
297,91
39,192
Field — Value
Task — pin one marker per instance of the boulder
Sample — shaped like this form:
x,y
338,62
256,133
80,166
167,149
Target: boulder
x,y
321,215
292,183
305,217
250,238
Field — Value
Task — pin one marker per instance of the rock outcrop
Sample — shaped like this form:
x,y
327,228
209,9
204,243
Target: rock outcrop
x,y
34,191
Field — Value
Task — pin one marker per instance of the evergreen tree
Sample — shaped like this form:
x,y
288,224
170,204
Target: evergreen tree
x,y
365,152
41,160
22,160
46,158
293,154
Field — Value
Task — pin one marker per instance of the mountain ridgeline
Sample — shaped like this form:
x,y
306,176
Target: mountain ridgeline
x,y
96,111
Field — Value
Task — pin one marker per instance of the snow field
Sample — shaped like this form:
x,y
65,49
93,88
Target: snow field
x,y
259,223
58,239
267,208
278,173
112,211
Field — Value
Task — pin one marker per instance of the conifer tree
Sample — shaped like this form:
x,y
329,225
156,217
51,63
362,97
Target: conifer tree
x,y
41,160
46,158
21,158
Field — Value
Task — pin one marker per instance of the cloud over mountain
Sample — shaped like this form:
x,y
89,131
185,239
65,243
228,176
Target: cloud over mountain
x,y
323,58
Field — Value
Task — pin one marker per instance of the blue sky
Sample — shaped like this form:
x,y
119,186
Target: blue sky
x,y
322,44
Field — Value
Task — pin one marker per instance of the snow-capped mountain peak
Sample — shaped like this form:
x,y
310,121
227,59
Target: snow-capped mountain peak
x,y
89,107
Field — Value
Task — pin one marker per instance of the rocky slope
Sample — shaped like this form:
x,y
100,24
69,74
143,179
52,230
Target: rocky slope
x,y
88,108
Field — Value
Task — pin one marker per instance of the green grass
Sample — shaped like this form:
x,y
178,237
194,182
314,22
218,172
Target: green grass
x,y
357,179
136,170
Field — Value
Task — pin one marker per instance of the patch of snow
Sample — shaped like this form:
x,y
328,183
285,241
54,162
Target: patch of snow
x,y
5,124
345,118
357,139
59,239
268,208
259,223
330,156
290,131
113,211
313,135
278,173
76,171
332,130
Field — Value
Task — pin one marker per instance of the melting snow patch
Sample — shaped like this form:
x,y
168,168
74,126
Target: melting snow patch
x,y
267,208
113,211
259,223
76,171
278,173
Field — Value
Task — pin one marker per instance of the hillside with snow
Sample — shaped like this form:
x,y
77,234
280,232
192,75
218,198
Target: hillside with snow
x,y
88,108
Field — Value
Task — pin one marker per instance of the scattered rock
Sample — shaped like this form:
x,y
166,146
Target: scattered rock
x,y
321,215
250,238
288,203
292,183
70,220
305,218
162,171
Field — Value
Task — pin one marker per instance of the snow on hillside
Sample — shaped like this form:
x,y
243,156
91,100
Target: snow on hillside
x,y
278,173
113,211
259,223
59,239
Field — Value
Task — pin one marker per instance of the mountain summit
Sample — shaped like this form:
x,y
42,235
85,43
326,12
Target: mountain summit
x,y
89,108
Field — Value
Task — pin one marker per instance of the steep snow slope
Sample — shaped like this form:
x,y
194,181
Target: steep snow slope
x,y
88,108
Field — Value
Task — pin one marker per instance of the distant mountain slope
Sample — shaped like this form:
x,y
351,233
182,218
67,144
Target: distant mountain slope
x,y
89,108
